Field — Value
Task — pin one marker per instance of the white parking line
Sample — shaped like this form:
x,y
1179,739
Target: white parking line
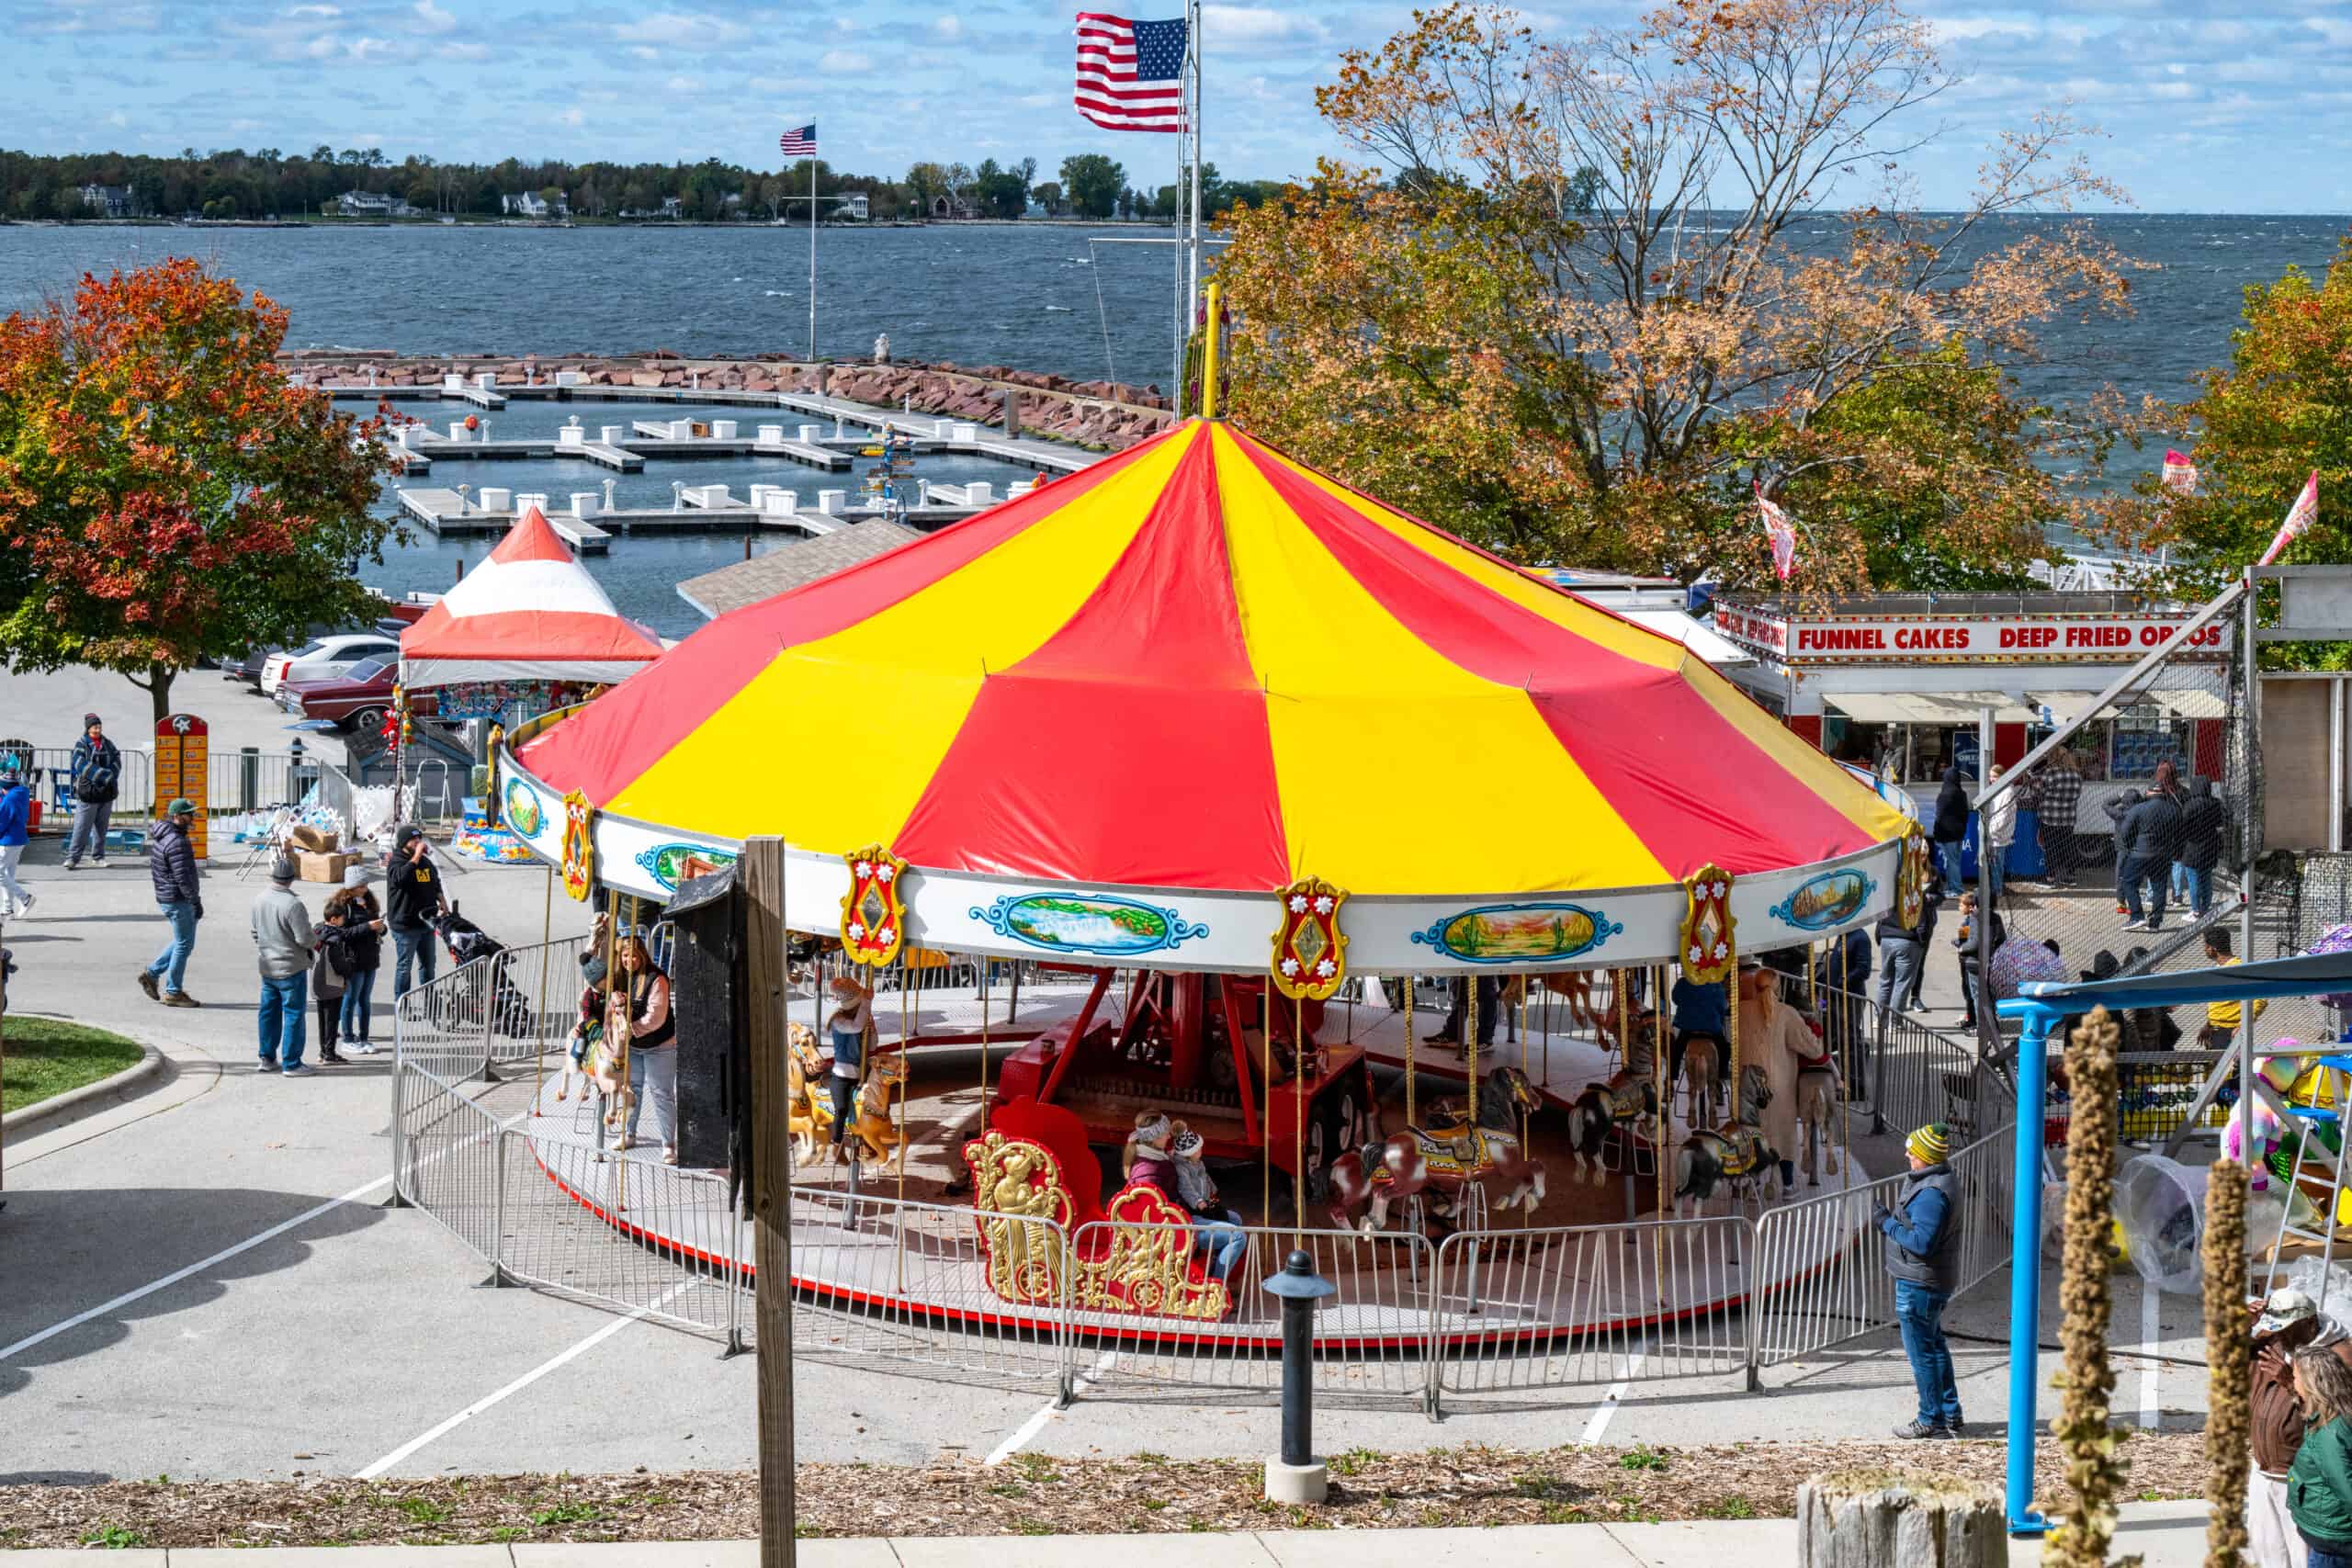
x,y
1027,1431
1609,1402
177,1275
2151,1406
519,1385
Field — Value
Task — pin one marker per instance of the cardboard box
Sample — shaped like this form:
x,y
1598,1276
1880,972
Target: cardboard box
x,y
317,841
313,866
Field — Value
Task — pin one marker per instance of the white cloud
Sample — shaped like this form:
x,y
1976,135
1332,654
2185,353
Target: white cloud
x,y
576,117
948,28
845,62
320,11
682,85
644,53
773,85
1243,25
431,18
692,30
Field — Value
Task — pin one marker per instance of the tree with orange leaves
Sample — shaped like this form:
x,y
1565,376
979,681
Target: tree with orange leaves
x,y
1577,297
167,494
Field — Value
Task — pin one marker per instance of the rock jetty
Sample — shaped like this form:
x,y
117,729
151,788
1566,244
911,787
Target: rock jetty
x,y
1104,415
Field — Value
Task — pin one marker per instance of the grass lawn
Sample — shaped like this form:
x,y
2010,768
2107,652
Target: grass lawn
x,y
47,1057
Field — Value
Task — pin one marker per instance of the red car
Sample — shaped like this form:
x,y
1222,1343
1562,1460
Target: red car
x,y
358,699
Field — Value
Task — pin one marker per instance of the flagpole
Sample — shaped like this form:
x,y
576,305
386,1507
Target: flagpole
x,y
812,252
1192,128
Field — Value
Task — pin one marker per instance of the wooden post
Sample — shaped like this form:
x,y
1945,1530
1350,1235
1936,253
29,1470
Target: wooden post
x,y
1864,1518
763,933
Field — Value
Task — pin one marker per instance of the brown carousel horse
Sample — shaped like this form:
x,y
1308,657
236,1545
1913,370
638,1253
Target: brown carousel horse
x,y
1819,1092
1738,1158
1444,1160
1626,1098
1575,985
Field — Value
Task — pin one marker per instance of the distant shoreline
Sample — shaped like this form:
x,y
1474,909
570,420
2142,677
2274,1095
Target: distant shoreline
x,y
462,221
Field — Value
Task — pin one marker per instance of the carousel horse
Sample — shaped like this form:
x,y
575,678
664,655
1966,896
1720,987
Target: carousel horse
x,y
1739,1157
804,1064
1702,1071
1503,1094
1442,1162
1818,1095
1626,1098
1574,985
806,1075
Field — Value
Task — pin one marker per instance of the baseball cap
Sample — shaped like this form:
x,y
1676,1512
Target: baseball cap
x,y
2284,1308
181,805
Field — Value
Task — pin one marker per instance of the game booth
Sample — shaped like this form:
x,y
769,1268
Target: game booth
x,y
1155,804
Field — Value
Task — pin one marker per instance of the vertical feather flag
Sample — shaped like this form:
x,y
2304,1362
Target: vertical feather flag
x,y
2300,517
1780,531
2179,473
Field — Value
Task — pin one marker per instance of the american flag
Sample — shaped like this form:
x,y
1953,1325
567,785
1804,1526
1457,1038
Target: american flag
x,y
2179,473
2300,517
1780,531
798,143
1130,74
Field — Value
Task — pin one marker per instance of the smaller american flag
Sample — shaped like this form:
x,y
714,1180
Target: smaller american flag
x,y
798,143
1780,531
2179,473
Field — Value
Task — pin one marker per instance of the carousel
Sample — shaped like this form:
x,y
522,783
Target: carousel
x,y
1198,808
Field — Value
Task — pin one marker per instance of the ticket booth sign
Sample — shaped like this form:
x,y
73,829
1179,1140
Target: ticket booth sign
x,y
184,767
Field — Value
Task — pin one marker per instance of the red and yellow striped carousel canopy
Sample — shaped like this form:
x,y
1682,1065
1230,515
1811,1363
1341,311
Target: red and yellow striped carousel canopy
x,y
1200,665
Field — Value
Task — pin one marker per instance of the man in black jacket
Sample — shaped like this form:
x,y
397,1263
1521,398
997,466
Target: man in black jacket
x,y
2145,844
2204,819
1951,824
412,898
96,774
171,865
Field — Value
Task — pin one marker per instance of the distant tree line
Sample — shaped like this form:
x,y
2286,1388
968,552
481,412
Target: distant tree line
x,y
270,183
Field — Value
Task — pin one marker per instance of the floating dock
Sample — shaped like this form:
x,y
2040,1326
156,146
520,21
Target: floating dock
x,y
446,514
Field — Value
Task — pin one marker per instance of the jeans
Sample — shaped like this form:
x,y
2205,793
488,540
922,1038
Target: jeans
x,y
1898,971
13,893
330,1010
285,1001
359,997
844,1092
1919,1313
1490,991
171,964
2320,1556
1994,863
2192,888
1948,857
2130,875
91,820
412,948
653,1075
1224,1241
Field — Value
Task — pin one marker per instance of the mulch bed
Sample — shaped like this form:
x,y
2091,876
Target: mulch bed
x,y
1033,1495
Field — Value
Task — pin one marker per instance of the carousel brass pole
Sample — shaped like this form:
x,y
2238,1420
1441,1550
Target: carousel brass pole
x,y
984,1045
619,1008
898,1111
1409,1056
1661,1050
547,935
1731,1018
1843,1059
1624,1064
1298,1125
1266,1109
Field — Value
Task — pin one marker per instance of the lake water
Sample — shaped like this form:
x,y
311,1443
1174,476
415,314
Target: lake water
x,y
1037,296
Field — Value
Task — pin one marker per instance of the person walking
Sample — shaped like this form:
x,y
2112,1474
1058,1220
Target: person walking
x,y
1997,823
1490,992
16,831
2286,1324
1902,951
96,778
412,898
2058,802
2203,820
2223,1019
2145,844
1950,824
1970,962
2319,1481
360,934
171,866
1923,1226
284,941
652,1047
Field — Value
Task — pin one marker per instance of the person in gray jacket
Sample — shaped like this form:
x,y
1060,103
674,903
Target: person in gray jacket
x,y
285,942
1922,1230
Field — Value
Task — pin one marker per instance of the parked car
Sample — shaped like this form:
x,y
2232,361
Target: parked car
x,y
247,667
326,658
356,700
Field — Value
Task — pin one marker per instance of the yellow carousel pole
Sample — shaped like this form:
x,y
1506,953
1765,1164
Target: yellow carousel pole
x,y
614,977
1624,1065
1409,1056
899,1115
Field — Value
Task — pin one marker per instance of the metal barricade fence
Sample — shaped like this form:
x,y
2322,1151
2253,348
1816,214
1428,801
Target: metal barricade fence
x,y
1821,1264
1500,1294
1372,1335
49,772
446,1156
509,1007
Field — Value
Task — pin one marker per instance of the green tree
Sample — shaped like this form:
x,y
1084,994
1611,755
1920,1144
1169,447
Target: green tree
x,y
166,495
1094,182
1049,197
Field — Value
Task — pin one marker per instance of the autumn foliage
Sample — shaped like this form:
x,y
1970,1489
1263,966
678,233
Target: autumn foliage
x,y
1577,297
165,493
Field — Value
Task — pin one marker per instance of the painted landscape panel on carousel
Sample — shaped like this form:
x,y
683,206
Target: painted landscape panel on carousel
x,y
1831,899
1090,924
1505,933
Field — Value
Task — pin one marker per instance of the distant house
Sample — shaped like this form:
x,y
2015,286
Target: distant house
x,y
950,206
531,204
107,201
853,205
370,204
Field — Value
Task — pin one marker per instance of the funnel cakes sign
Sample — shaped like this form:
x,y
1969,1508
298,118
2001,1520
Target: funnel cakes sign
x,y
1792,636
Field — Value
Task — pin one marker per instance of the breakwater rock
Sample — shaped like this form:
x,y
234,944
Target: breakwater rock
x,y
1107,415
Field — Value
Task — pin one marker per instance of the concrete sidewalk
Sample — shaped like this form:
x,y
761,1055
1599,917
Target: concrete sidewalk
x,y
2169,1535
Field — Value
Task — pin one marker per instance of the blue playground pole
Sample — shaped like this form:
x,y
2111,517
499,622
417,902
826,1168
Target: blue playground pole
x,y
2025,1267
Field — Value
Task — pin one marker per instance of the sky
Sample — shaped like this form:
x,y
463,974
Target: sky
x,y
2200,111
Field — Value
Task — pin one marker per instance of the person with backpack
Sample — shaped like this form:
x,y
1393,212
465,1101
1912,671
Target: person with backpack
x,y
327,983
97,779
16,820
171,865
355,951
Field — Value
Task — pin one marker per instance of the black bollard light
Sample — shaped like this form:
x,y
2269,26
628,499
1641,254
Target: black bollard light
x,y
1297,1476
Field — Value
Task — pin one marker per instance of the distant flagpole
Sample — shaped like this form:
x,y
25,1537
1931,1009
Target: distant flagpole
x,y
802,141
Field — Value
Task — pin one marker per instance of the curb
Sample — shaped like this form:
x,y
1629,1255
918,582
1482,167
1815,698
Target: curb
x,y
74,1103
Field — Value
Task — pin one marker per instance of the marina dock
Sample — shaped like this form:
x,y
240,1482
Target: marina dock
x,y
446,514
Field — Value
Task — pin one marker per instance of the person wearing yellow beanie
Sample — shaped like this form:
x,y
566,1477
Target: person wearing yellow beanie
x,y
1922,1229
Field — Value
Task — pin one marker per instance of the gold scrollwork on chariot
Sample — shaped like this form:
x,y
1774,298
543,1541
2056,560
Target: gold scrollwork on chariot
x,y
1139,1260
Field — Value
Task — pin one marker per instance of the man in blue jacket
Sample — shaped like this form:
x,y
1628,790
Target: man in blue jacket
x,y
1922,1230
16,820
170,862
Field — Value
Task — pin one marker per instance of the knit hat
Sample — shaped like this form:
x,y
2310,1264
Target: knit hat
x,y
1931,1144
1188,1144
281,871
354,876
92,721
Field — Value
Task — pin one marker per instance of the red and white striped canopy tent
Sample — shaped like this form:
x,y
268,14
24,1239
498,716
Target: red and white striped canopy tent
x,y
528,613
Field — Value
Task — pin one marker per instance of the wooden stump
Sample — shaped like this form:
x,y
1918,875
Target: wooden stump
x,y
1869,1518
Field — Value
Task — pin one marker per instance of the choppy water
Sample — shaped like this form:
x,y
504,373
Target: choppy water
x,y
1038,297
